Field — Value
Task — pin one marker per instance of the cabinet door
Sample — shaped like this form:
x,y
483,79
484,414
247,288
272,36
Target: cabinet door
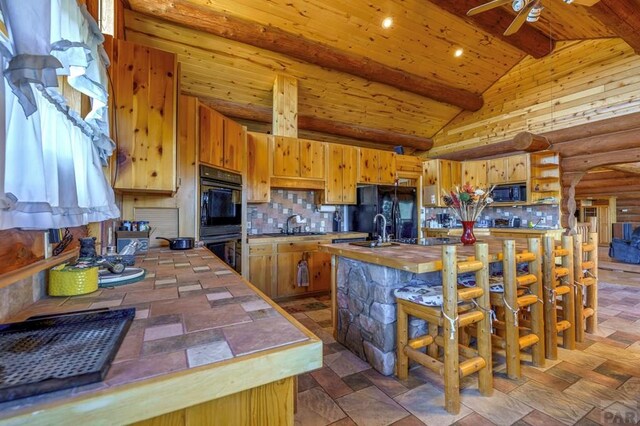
x,y
448,175
368,166
320,270
260,273
350,156
497,170
145,95
334,180
258,187
430,176
312,159
386,167
286,157
233,145
287,267
211,137
475,173
517,166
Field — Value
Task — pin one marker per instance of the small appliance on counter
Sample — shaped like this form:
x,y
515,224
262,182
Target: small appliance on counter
x,y
515,222
500,223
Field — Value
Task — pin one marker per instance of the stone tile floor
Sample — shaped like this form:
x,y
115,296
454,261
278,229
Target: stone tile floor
x,y
599,383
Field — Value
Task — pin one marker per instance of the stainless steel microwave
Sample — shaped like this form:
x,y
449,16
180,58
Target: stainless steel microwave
x,y
510,193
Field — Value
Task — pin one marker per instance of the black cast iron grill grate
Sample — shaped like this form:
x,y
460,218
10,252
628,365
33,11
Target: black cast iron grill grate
x,y
45,354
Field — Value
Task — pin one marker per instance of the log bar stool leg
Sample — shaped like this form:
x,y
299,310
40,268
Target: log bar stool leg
x,y
568,299
537,309
485,375
592,291
549,298
402,365
512,335
450,330
578,257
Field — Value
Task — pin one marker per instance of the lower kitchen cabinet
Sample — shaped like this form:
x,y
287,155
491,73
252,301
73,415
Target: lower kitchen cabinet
x,y
273,267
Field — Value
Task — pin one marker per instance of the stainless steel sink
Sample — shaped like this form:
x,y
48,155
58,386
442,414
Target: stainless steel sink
x,y
374,244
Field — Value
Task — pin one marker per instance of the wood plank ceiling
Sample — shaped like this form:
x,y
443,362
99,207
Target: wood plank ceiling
x,y
420,43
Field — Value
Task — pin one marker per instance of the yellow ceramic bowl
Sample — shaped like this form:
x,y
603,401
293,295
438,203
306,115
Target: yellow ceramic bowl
x,y
65,281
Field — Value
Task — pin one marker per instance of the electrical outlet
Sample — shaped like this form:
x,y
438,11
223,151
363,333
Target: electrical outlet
x,y
543,220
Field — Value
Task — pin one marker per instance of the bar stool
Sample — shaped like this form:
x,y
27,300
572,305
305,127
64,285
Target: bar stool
x,y
449,309
519,296
585,271
559,301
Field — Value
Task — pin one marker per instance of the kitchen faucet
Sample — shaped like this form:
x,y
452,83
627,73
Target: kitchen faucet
x,y
298,220
384,226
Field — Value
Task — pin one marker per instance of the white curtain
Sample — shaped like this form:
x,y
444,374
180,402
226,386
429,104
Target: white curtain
x,y
51,158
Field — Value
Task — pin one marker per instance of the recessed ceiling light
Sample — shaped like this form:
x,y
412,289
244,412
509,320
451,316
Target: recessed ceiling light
x,y
387,22
458,52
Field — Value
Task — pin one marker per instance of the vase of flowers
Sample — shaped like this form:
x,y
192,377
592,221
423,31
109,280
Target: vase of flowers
x,y
467,203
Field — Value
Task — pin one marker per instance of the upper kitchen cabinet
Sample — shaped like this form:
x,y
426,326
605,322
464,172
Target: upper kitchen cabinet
x,y
508,169
376,166
298,158
221,140
340,187
258,167
409,166
145,93
439,176
475,173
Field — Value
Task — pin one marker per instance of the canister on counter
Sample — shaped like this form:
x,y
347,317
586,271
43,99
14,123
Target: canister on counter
x,y
126,225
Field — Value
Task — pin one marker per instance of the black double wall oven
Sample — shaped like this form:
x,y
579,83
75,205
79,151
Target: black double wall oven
x,y
221,214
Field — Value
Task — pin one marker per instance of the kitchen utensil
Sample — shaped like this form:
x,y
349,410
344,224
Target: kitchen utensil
x,y
128,276
180,243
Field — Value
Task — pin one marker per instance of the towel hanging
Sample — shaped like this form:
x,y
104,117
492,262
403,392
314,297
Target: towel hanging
x,y
303,272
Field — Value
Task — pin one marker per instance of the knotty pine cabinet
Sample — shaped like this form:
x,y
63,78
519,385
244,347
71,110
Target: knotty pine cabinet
x,y
273,267
341,176
376,166
514,168
439,176
221,140
474,173
258,168
298,158
145,97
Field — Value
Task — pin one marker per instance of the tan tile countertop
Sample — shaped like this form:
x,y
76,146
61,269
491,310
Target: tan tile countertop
x,y
265,239
199,326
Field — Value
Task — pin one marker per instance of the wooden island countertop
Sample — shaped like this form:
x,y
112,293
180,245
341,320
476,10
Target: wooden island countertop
x,y
205,346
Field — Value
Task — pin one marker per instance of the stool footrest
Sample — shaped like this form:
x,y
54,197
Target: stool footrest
x,y
590,264
525,257
588,281
425,360
472,365
563,325
587,312
559,252
469,293
528,340
528,279
562,289
420,342
562,272
470,318
527,300
588,247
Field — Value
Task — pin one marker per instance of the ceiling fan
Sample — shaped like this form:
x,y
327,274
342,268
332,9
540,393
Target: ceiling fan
x,y
528,10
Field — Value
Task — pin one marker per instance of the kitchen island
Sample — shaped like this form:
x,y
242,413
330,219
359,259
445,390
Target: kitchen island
x,y
362,299
206,347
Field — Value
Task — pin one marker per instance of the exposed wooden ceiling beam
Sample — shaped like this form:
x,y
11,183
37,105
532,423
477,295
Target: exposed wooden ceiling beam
x,y
633,168
528,40
322,125
622,17
522,142
266,37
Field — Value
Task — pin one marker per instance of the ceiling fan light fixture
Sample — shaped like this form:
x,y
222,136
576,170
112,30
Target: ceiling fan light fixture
x,y
387,22
518,5
568,1
534,14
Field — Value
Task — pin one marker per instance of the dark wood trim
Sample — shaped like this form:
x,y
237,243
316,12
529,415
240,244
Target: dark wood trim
x,y
322,125
276,40
528,39
622,17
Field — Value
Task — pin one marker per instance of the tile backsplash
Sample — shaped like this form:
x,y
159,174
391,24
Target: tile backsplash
x,y
272,216
533,213
21,294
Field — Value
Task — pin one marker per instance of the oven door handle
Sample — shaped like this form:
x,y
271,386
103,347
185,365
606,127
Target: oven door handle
x,y
221,238
212,184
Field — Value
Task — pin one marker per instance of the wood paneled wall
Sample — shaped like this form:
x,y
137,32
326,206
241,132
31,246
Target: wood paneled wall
x,y
213,67
624,186
580,82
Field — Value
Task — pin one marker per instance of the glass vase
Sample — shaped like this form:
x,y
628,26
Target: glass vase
x,y
467,237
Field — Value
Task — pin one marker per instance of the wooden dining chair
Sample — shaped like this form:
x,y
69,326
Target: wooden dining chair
x,y
559,296
448,309
585,271
517,293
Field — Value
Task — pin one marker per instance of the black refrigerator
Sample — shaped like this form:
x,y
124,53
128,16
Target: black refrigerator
x,y
396,203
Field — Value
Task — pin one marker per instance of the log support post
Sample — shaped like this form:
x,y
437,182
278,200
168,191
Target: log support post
x,y
285,106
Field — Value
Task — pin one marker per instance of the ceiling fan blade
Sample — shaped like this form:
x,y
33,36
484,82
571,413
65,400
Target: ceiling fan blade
x,y
487,6
521,18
